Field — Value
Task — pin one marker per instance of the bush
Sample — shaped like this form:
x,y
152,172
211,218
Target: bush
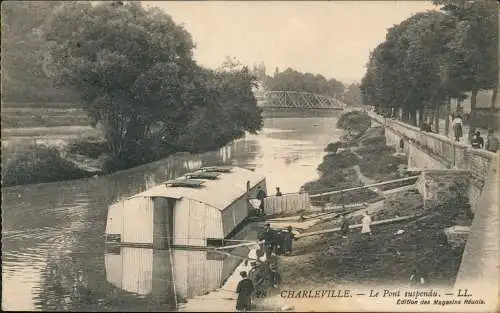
x,y
88,147
38,164
334,146
335,162
355,121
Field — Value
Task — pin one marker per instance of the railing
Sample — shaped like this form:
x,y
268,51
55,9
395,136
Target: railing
x,y
457,154
287,203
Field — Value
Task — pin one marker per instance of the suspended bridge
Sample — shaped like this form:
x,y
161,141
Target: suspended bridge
x,y
298,99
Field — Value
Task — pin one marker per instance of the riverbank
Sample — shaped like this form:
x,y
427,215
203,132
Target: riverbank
x,y
33,163
360,158
393,252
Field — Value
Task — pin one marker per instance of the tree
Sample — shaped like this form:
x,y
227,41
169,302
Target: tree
x,y
352,95
135,73
474,47
292,80
411,70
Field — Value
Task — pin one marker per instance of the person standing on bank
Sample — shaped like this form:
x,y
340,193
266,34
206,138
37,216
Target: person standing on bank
x,y
278,192
457,125
261,195
344,227
288,240
477,141
244,291
365,224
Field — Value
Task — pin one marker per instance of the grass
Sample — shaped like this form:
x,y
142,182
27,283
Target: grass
x,y
384,258
379,162
25,117
375,159
38,164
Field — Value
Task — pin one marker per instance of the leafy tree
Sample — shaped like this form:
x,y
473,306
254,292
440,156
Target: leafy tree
x,y
128,64
352,95
134,70
291,80
474,48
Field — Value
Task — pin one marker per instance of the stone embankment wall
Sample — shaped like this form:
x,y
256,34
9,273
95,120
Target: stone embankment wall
x,y
434,151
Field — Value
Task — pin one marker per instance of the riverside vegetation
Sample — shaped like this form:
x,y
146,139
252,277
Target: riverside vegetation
x,y
132,70
389,256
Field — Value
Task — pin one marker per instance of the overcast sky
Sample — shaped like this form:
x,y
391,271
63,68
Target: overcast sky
x,y
329,38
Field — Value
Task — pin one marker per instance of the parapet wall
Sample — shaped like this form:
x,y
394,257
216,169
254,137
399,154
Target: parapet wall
x,y
434,151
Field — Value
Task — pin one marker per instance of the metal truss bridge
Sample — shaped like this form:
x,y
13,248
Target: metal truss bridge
x,y
297,99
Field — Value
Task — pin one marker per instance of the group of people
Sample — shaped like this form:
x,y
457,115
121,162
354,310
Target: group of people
x,y
477,140
261,195
263,273
278,242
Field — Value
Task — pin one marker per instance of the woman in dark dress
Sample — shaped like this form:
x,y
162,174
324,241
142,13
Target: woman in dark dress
x,y
244,290
288,238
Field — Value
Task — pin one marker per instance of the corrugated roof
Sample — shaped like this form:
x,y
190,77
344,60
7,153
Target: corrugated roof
x,y
219,193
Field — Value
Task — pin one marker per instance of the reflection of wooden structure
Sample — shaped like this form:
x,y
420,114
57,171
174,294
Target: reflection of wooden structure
x,y
161,273
185,212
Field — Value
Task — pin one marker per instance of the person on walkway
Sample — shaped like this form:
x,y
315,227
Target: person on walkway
x,y
261,195
365,224
288,238
278,192
457,125
344,227
244,289
492,143
269,239
477,141
275,276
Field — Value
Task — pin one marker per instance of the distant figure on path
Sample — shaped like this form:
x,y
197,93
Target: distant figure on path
x,y
275,276
278,192
244,290
288,240
261,195
365,224
492,143
344,228
477,141
457,125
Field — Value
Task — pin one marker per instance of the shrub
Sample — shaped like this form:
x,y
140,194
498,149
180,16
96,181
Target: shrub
x,y
38,164
355,121
334,162
88,147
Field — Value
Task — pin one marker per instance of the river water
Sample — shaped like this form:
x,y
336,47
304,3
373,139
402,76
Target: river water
x,y
53,250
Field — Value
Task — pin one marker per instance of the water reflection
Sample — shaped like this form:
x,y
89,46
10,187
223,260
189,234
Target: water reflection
x,y
165,273
53,253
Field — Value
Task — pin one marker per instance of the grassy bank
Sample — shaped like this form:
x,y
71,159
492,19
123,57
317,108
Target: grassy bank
x,y
394,250
38,164
387,257
361,149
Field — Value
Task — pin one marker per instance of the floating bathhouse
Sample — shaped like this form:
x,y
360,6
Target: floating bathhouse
x,y
194,210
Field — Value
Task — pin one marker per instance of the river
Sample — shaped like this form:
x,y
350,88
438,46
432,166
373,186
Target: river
x,y
53,251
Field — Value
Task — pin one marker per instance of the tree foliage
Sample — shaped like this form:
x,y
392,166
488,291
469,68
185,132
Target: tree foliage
x,y
352,95
134,70
433,56
291,80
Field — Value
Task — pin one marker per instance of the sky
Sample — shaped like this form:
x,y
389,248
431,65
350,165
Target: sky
x,y
332,38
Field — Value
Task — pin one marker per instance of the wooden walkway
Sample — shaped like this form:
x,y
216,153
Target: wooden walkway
x,y
220,300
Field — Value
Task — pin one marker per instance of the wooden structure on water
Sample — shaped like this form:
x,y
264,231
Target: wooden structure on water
x,y
195,210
